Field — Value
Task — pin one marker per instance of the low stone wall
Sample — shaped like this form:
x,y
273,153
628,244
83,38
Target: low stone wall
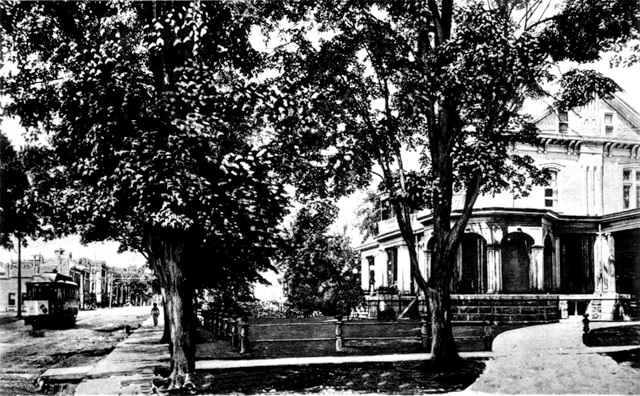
x,y
505,308
476,308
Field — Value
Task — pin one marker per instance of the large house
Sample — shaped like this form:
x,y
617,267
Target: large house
x,y
576,240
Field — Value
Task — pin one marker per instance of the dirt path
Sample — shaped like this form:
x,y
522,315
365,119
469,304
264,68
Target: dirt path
x,y
25,354
551,359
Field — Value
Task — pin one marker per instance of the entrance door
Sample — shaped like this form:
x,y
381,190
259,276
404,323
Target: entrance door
x,y
548,265
516,248
473,264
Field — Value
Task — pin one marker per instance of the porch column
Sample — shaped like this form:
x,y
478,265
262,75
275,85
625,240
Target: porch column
x,y
536,268
427,264
364,272
598,268
457,270
404,269
494,268
557,263
381,268
606,263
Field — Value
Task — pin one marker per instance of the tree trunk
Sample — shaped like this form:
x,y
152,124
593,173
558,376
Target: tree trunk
x,y
444,351
166,333
165,252
180,307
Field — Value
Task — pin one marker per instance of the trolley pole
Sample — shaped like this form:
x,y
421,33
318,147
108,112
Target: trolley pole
x,y
19,299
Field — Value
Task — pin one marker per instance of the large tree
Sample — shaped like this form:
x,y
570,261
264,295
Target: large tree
x,y
363,83
318,266
152,137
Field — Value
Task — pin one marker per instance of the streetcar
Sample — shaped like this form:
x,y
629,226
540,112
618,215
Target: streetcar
x,y
52,299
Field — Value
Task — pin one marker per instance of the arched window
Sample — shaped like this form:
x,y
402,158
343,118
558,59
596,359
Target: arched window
x,y
551,191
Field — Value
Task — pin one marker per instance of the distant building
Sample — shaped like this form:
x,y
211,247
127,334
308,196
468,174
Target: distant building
x,y
94,278
577,239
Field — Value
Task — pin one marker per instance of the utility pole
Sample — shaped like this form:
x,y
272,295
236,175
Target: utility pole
x,y
110,289
19,299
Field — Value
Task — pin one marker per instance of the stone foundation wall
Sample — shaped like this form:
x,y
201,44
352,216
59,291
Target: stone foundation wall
x,y
476,308
505,309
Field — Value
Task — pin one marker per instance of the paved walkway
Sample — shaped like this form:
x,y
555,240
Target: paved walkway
x,y
551,359
130,367
546,359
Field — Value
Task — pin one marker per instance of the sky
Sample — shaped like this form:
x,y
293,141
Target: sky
x,y
107,251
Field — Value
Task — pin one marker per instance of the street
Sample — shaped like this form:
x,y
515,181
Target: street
x,y
25,354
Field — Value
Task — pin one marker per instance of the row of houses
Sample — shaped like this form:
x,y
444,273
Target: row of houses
x,y
100,284
576,239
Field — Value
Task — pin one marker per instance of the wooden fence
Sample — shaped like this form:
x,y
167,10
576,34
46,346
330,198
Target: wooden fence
x,y
242,335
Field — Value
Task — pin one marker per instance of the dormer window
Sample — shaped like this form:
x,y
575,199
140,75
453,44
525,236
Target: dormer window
x,y
608,123
563,121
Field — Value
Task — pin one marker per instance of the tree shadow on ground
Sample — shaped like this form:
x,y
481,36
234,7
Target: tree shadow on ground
x,y
632,357
614,336
388,378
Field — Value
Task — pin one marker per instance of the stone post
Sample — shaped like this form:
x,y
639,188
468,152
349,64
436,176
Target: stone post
x,y
339,329
234,333
424,332
227,329
216,325
488,335
244,335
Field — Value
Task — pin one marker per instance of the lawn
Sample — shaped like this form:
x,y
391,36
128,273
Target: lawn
x,y
615,336
618,336
402,378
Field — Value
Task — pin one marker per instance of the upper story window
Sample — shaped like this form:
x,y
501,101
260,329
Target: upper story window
x,y
608,123
630,185
563,121
387,210
392,266
551,191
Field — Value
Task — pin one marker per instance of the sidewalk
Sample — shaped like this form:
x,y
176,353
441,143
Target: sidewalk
x,y
130,367
545,359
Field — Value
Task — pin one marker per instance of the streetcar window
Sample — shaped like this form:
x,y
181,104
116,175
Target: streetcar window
x,y
37,292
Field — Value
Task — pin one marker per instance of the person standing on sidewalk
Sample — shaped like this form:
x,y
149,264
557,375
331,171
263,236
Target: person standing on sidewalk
x,y
155,312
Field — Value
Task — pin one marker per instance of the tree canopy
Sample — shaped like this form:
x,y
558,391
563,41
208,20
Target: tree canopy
x,y
153,137
318,266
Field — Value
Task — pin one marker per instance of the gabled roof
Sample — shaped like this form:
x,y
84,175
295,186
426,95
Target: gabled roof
x,y
623,109
49,277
